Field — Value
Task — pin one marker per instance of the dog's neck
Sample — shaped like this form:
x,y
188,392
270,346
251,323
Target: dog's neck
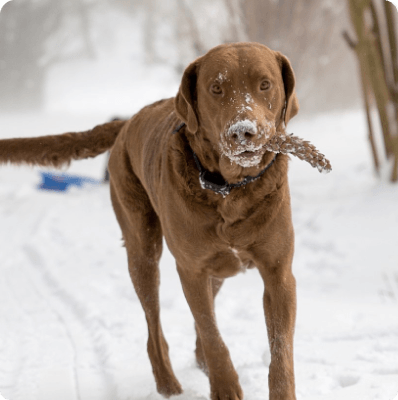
x,y
216,183
217,173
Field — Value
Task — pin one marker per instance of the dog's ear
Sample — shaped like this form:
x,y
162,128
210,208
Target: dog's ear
x,y
289,82
186,97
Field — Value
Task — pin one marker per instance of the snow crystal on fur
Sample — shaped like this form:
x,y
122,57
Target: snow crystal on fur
x,y
221,77
249,98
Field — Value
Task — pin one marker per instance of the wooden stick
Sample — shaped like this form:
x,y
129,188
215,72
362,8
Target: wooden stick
x,y
304,150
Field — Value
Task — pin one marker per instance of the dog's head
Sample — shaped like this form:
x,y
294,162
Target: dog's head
x,y
235,98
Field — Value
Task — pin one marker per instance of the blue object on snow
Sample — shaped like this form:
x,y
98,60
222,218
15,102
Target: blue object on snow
x,y
61,182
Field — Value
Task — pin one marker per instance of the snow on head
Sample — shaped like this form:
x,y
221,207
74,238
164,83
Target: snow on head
x,y
268,129
242,108
222,77
245,105
249,98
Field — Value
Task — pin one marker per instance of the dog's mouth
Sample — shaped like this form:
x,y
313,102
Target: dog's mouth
x,y
249,154
247,158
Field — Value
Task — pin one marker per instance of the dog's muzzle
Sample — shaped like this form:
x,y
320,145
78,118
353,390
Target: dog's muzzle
x,y
243,142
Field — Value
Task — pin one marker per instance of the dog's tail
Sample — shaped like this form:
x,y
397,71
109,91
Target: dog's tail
x,y
59,150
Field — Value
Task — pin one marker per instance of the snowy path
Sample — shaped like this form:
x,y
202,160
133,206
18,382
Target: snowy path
x,y
71,327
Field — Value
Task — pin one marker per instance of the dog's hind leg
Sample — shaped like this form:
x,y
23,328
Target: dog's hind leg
x,y
200,356
143,239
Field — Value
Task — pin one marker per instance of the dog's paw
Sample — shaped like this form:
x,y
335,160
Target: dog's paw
x,y
170,388
226,388
233,392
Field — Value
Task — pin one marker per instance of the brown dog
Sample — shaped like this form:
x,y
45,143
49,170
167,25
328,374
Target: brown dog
x,y
231,102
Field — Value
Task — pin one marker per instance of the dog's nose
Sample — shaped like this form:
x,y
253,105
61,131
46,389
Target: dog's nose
x,y
241,137
243,131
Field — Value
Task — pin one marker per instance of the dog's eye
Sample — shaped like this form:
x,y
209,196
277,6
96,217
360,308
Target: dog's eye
x,y
265,85
216,89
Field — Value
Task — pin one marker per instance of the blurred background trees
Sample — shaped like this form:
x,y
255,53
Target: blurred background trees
x,y
375,44
37,36
309,33
34,35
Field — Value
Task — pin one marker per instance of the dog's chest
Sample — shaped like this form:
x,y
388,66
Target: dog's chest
x,y
235,223
228,262
243,260
235,236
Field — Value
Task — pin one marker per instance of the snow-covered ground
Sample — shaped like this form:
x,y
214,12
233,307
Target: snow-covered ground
x,y
71,326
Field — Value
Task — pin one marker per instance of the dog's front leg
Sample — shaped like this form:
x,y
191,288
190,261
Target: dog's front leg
x,y
224,382
200,357
280,313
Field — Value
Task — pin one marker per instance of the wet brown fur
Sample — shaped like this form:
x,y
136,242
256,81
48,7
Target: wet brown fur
x,y
155,192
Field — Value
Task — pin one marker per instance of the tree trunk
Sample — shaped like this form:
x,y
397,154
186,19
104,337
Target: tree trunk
x,y
376,51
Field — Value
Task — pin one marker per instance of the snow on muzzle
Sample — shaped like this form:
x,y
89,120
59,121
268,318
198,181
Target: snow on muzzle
x,y
243,141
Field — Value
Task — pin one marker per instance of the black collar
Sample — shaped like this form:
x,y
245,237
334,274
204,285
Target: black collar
x,y
215,182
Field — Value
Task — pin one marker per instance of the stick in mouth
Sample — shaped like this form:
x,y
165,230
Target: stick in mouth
x,y
304,150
